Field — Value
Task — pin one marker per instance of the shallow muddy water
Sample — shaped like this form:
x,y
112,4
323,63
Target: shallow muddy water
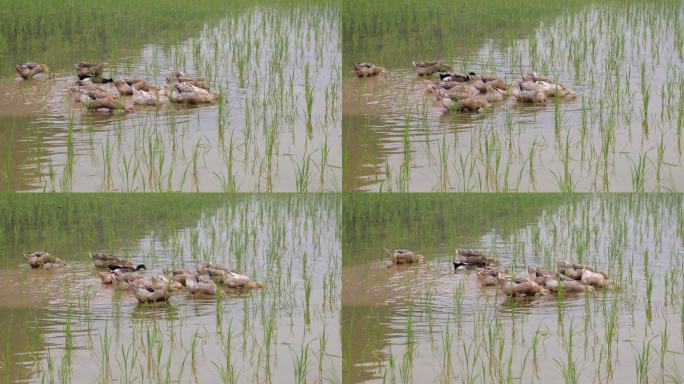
x,y
622,133
275,128
425,323
63,325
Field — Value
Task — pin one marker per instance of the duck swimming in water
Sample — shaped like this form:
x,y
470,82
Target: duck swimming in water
x,y
475,258
103,260
187,93
560,283
404,256
41,259
516,289
429,68
28,70
85,70
180,77
126,268
202,285
150,291
368,70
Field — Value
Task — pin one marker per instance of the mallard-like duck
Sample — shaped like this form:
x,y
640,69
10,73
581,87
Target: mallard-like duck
x,y
404,256
475,258
495,82
85,70
204,267
593,278
180,275
28,70
126,85
180,77
42,259
469,104
559,282
429,68
95,102
200,285
459,267
150,291
489,276
232,279
512,288
150,98
86,87
531,97
104,260
368,70
187,93
455,77
124,268
540,276
574,270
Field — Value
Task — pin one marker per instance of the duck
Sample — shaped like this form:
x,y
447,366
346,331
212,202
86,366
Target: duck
x,y
455,77
470,104
232,279
204,267
125,268
86,87
458,267
180,275
513,288
126,85
574,270
201,285
475,258
494,81
368,70
150,290
95,103
593,278
428,68
488,276
85,70
187,93
531,97
404,256
180,77
149,98
540,276
559,282
42,259
103,260
30,69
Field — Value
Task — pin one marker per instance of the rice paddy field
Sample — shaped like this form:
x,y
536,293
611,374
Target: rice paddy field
x,y
274,128
623,133
63,325
426,323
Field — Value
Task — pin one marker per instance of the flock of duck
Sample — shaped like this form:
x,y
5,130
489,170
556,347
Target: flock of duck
x,y
473,92
99,93
204,280
569,278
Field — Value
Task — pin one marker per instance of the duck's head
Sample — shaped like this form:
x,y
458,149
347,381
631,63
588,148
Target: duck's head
x,y
140,267
531,269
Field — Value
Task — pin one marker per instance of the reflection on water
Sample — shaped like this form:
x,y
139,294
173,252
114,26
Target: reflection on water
x,y
64,325
623,133
273,130
428,323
